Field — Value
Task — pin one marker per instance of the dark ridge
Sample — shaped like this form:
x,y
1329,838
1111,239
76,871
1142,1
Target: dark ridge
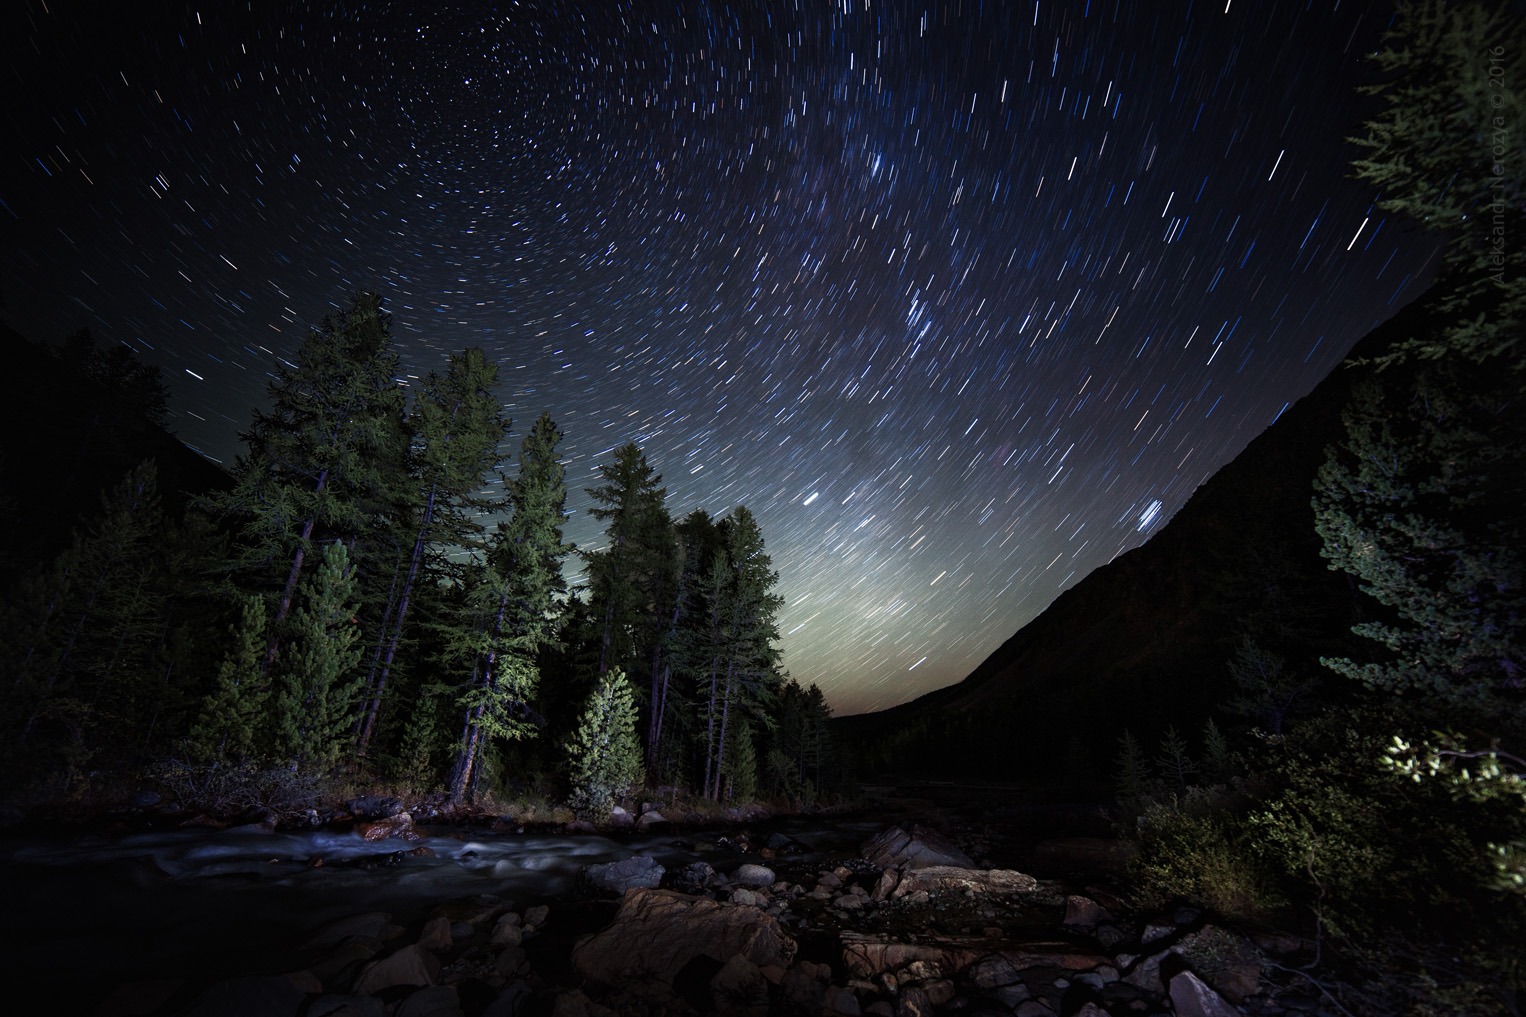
x,y
1145,641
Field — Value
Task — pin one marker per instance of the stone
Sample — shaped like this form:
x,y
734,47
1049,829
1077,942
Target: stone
x,y
649,819
949,877
249,996
743,896
510,1002
620,818
1145,974
618,877
511,961
436,934
575,1003
1012,995
885,885
829,881
739,987
369,923
656,932
373,807
431,1001
1085,911
412,965
939,991
399,827
916,848
913,1002
144,799
508,932
1227,961
339,967
839,999
1032,1008
753,875
804,985
1154,932
536,917
1191,997
1090,1009
993,972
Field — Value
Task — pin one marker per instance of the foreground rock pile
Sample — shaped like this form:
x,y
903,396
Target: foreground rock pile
x,y
911,928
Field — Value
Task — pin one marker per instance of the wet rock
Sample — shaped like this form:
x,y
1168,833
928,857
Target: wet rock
x,y
399,826
993,972
841,1000
412,965
1084,911
753,875
536,917
656,932
1191,997
508,932
1227,961
618,877
916,848
739,988
948,877
373,807
620,818
649,819
743,896
436,934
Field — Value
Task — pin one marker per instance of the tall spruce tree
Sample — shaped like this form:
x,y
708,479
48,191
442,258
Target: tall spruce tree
x,y
507,616
458,425
229,724
604,753
323,462
622,576
318,686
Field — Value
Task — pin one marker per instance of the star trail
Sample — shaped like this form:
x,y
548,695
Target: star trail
x,y
962,300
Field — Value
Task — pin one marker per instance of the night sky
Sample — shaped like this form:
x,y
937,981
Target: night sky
x,y
962,300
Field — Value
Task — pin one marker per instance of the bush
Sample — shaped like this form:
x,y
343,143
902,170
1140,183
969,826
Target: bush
x,y
1192,851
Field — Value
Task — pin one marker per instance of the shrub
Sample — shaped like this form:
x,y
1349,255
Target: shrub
x,y
1194,851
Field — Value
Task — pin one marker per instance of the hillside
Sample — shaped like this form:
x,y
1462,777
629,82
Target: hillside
x,y
1144,642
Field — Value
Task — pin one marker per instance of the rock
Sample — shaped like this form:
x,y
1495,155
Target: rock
x,y
1192,998
739,987
868,955
1032,1008
373,807
436,934
649,819
618,877
886,885
753,875
618,817
913,1002
513,1000
939,991
249,996
412,965
916,848
536,917
993,972
1145,974
338,969
804,986
1154,932
841,1000
371,923
144,799
431,1001
1085,911
1227,961
1090,1010
399,826
656,932
829,881
346,1006
507,932
575,1003
511,962
743,896
948,877
1012,995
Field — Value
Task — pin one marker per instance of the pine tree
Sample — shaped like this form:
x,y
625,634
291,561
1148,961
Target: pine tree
x,y
458,425
229,724
1174,762
604,752
622,576
319,687
507,617
1270,692
740,771
323,463
1131,770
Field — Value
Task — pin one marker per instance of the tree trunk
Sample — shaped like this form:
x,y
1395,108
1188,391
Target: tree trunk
x,y
419,541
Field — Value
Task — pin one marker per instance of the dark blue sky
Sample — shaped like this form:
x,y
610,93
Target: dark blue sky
x,y
960,299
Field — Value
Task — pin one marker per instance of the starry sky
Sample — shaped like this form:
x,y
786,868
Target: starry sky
x,y
961,299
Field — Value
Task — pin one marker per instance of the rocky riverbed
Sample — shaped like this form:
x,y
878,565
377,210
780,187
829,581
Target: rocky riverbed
x,y
752,918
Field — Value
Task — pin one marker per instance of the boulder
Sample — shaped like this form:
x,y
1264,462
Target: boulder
x,y
949,877
619,817
374,924
753,875
913,1002
536,917
412,965
507,932
916,848
1083,911
647,820
373,807
1192,998
739,988
436,934
1227,961
336,1005
510,1002
399,826
885,885
656,932
840,1000
867,955
618,877
431,1001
